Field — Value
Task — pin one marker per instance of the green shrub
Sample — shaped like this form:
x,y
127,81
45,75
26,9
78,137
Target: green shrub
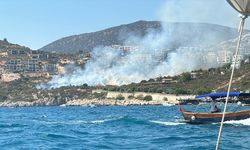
x,y
140,97
111,88
120,97
101,95
153,89
200,91
185,77
165,99
130,96
148,98
159,90
146,89
132,89
179,91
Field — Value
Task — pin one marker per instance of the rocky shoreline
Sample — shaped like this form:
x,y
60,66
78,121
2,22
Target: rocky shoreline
x,y
85,102
113,102
109,99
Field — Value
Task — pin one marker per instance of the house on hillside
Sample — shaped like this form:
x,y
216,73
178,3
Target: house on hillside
x,y
50,68
237,61
30,61
14,65
168,79
18,52
196,73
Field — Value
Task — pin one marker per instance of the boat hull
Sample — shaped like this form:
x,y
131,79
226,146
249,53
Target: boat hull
x,y
204,118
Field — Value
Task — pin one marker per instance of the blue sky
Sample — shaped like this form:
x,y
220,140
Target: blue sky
x,y
35,23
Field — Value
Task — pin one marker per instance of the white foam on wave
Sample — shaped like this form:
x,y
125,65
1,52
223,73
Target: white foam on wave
x,y
168,104
88,122
167,123
78,122
105,120
101,121
239,122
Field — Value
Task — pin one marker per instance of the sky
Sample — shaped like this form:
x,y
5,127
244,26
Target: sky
x,y
36,23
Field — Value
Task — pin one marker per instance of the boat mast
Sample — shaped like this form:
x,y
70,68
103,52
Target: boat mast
x,y
243,7
231,77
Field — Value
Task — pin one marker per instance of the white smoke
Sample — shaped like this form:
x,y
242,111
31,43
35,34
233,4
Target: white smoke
x,y
207,11
109,66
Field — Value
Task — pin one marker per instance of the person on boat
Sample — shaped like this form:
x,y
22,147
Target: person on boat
x,y
214,107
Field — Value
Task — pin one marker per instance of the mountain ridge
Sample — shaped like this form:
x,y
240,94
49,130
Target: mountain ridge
x,y
183,34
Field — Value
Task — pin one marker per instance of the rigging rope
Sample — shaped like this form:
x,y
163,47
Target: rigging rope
x,y
241,26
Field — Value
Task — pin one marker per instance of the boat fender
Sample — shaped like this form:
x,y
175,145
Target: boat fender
x,y
193,117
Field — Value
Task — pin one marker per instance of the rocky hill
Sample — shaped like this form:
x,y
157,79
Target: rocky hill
x,y
5,45
181,34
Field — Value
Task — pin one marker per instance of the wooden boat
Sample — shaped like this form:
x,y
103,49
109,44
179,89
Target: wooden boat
x,y
204,117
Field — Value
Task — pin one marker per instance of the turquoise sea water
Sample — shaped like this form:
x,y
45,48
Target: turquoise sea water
x,y
133,127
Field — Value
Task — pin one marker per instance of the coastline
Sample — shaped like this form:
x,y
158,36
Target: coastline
x,y
114,102
87,102
109,100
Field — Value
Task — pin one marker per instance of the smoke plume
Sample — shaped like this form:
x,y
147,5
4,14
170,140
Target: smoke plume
x,y
155,55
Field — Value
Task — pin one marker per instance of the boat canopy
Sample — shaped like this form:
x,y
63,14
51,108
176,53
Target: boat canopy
x,y
242,6
223,94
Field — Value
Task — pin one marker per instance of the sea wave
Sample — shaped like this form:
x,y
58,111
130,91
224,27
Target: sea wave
x,y
78,122
59,136
245,122
104,128
12,125
104,120
167,123
124,119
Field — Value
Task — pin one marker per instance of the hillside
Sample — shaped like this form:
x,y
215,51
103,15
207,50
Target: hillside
x,y
5,45
206,81
181,34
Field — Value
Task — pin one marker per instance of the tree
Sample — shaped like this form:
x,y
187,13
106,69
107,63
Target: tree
x,y
159,90
151,80
159,79
202,91
143,81
185,77
5,40
145,89
180,91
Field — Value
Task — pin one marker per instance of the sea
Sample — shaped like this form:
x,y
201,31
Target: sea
x,y
114,128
